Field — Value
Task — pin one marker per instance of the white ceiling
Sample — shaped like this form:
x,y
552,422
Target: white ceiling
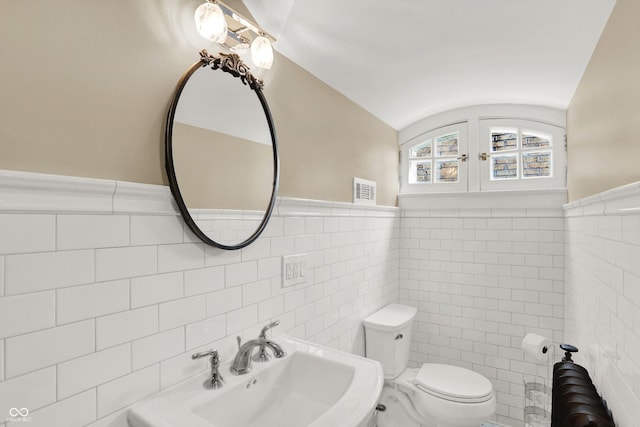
x,y
403,60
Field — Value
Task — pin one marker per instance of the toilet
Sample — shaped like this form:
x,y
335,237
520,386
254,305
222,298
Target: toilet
x,y
434,395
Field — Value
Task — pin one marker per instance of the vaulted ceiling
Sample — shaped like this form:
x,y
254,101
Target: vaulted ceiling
x,y
403,60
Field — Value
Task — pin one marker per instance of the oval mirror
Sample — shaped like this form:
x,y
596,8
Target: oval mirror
x,y
221,152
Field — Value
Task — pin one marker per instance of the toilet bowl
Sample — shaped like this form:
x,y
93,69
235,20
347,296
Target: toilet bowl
x,y
433,395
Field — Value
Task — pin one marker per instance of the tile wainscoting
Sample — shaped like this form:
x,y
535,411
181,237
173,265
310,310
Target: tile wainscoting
x,y
602,294
484,269
104,293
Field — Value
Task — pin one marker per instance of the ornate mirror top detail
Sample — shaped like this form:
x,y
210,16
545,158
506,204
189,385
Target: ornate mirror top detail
x,y
231,63
221,153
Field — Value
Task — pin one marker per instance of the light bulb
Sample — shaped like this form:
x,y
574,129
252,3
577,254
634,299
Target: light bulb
x,y
262,52
211,23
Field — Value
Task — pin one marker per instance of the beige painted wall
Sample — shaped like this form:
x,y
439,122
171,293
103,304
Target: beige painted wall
x,y
327,140
86,86
244,166
603,119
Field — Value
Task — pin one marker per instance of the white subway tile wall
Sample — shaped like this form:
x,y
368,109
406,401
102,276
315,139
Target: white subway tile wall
x,y
124,263
26,353
602,308
128,389
1,276
76,411
203,280
32,391
91,231
1,360
482,280
158,347
93,369
39,271
156,230
39,233
157,288
89,301
21,314
204,332
98,311
126,326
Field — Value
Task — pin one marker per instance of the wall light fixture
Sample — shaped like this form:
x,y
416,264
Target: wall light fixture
x,y
217,22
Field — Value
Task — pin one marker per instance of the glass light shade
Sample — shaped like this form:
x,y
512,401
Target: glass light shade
x,y
241,48
211,23
262,52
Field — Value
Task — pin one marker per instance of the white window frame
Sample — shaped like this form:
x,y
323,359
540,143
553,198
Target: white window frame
x,y
462,185
557,149
473,116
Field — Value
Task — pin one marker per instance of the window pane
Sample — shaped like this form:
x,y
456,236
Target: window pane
x,y
422,150
447,145
536,164
531,140
504,167
504,139
420,172
446,171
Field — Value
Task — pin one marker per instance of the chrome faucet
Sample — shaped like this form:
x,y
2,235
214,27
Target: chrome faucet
x,y
215,380
242,361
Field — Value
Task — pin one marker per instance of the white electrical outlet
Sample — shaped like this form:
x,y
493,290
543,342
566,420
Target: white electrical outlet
x,y
294,269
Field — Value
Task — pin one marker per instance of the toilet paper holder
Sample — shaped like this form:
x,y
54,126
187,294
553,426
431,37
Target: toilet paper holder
x,y
537,391
537,405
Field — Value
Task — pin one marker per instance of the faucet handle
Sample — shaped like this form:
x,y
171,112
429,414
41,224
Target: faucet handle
x,y
215,358
215,380
212,353
263,333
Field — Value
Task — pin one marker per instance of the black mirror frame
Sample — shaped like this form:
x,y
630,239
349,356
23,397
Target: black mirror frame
x,y
230,63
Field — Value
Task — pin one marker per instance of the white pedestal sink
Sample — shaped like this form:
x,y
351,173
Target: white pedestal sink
x,y
312,386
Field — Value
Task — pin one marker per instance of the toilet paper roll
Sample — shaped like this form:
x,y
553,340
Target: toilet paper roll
x,y
536,346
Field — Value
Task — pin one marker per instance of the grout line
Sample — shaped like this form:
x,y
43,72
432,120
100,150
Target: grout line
x,y
113,197
3,279
55,233
96,406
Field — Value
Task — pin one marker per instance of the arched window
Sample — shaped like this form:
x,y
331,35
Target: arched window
x,y
484,152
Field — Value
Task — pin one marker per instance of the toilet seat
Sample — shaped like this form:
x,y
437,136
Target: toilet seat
x,y
453,383
440,409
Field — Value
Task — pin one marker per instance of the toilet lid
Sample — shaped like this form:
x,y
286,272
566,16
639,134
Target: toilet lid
x,y
454,383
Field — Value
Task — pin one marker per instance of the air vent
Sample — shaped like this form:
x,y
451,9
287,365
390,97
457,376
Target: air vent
x,y
364,192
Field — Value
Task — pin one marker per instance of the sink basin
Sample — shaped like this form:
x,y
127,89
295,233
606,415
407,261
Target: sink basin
x,y
312,386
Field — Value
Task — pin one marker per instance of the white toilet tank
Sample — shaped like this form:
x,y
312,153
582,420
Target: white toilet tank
x,y
388,337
